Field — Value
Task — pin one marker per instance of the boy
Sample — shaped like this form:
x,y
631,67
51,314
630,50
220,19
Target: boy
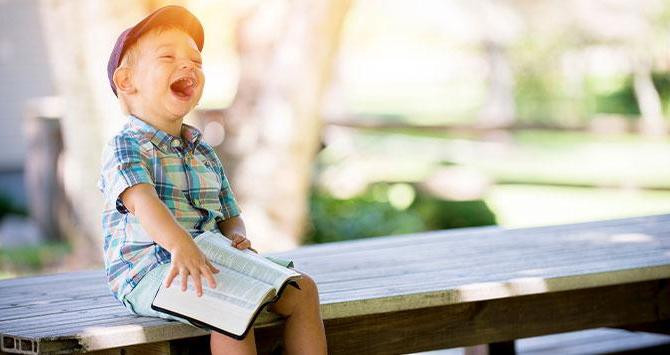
x,y
163,185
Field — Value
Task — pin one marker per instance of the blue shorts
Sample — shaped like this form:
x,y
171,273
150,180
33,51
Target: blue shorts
x,y
138,301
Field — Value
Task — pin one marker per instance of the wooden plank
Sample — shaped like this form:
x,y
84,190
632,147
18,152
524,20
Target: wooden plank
x,y
472,272
60,294
53,278
22,312
319,281
339,266
348,308
344,247
437,265
64,319
159,348
508,264
103,338
447,268
593,341
662,327
496,320
441,278
502,258
596,341
533,244
492,320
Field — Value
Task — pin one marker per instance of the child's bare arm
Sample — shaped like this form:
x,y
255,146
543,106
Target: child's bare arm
x,y
187,259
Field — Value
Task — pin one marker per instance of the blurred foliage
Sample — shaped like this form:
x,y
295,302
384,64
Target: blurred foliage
x,y
540,97
613,95
32,258
617,96
371,215
7,206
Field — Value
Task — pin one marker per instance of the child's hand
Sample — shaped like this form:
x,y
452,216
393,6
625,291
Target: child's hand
x,y
188,259
240,241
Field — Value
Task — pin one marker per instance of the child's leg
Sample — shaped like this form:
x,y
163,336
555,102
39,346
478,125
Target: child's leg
x,y
304,332
223,344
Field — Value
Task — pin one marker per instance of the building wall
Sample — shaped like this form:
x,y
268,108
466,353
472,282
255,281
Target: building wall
x,y
24,74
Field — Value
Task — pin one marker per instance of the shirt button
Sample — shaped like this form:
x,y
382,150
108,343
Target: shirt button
x,y
175,143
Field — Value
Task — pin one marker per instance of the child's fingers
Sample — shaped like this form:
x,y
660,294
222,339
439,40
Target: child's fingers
x,y
170,276
237,239
208,275
243,244
212,267
183,273
195,274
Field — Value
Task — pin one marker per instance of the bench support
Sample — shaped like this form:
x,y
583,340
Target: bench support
x,y
497,322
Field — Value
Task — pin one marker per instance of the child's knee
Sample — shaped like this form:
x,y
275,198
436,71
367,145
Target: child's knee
x,y
308,288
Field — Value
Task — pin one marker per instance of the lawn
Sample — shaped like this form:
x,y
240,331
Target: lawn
x,y
537,177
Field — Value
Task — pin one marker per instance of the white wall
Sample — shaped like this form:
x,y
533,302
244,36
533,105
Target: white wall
x,y
24,73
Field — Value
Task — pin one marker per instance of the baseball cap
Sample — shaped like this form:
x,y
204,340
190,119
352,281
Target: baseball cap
x,y
169,15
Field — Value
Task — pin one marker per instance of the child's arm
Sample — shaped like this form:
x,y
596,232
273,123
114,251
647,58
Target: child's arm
x,y
187,259
234,229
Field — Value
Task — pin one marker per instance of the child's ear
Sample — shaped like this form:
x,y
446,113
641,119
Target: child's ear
x,y
122,80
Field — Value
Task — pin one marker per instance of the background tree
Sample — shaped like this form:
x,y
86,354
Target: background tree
x,y
286,51
78,35
273,126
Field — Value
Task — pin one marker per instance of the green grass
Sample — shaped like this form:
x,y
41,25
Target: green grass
x,y
542,157
539,177
31,259
518,206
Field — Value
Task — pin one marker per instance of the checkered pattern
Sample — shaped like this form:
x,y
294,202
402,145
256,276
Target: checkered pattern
x,y
188,178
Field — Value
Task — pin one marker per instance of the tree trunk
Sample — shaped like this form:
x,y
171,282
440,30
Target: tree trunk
x,y
499,109
273,126
649,101
79,36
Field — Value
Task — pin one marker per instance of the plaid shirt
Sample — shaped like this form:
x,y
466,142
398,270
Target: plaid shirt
x,y
188,178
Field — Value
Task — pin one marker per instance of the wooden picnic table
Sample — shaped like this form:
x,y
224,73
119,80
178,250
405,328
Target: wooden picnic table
x,y
397,294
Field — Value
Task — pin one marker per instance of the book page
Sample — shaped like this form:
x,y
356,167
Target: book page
x,y
229,306
218,249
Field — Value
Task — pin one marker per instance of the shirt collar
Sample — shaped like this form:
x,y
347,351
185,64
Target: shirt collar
x,y
163,140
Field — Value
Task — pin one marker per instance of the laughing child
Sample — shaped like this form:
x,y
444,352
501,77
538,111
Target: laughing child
x,y
163,185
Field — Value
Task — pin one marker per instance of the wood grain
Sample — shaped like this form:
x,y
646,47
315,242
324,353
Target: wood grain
x,y
365,285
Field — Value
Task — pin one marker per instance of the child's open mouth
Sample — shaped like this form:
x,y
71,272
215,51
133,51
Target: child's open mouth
x,y
183,87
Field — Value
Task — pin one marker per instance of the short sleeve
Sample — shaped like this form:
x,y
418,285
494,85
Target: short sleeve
x,y
122,167
229,207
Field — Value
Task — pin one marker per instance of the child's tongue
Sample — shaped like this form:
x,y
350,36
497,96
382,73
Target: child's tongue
x,y
181,88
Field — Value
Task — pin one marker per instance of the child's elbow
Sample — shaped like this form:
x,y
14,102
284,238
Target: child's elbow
x,y
134,196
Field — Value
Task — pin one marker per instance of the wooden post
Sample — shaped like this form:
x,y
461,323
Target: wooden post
x,y
45,145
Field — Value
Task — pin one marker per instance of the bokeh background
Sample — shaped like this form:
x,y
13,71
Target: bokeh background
x,y
345,119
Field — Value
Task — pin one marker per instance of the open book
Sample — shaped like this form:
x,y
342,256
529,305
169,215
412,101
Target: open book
x,y
245,284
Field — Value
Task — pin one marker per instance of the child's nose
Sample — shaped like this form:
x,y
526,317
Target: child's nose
x,y
186,64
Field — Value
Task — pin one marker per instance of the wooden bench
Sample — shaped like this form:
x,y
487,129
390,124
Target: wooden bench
x,y
396,294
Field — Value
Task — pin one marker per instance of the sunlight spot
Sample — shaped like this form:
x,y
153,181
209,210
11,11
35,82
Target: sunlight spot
x,y
401,196
631,238
528,285
482,290
214,133
100,337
